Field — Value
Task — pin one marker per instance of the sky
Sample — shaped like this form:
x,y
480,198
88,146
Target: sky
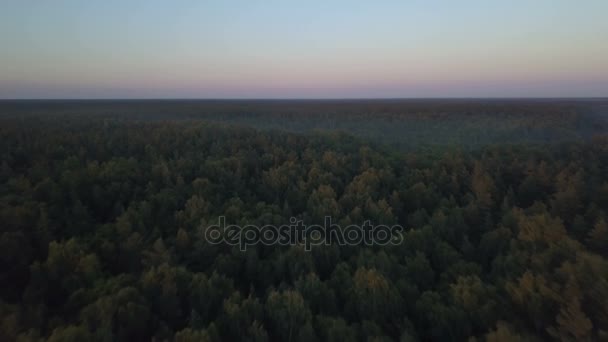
x,y
303,49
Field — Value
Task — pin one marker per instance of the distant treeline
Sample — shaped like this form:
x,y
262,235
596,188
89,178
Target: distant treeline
x,y
407,124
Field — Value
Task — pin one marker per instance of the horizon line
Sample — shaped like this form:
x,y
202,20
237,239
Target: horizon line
x,y
306,98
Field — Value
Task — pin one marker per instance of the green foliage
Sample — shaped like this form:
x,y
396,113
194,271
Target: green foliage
x,y
103,221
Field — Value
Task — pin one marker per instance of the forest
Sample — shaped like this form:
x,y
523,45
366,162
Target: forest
x,y
104,205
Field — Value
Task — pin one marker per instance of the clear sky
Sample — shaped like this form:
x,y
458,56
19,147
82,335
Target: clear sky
x,y
303,49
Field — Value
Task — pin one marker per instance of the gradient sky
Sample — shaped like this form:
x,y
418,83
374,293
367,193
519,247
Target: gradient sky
x,y
303,49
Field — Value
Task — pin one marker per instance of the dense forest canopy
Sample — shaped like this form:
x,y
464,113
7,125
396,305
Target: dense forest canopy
x,y
104,205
